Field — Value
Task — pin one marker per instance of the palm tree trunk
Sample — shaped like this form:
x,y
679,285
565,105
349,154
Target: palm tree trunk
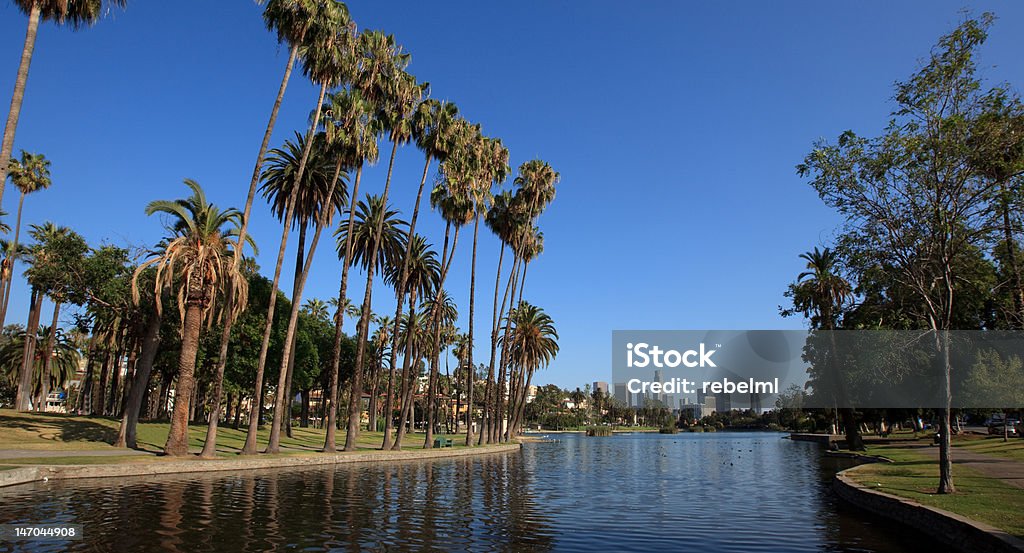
x,y
510,287
281,403
435,338
355,407
13,257
7,147
330,440
225,338
126,436
296,293
407,388
177,437
51,339
24,397
472,369
491,403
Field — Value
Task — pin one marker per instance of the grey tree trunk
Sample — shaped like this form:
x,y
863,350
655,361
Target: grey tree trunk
x,y
7,146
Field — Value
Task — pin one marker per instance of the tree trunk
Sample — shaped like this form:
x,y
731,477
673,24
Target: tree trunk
x,y
945,431
403,281
13,254
355,407
24,397
408,360
7,146
281,403
330,439
491,400
472,369
126,436
255,414
177,438
304,417
51,339
435,330
296,293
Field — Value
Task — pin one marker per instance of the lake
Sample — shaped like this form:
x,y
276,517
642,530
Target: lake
x,y
721,492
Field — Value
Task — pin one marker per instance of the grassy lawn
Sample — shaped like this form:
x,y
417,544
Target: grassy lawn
x,y
915,476
54,432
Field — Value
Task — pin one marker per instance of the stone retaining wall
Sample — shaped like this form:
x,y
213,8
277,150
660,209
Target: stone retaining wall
x,y
953,530
25,475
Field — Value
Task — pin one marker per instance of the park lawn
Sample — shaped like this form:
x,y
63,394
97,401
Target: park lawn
x,y
915,476
57,432
1013,448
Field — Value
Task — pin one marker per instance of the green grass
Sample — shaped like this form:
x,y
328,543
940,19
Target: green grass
x,y
915,476
1013,448
55,432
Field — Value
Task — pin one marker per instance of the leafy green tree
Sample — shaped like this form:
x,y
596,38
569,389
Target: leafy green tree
x,y
913,196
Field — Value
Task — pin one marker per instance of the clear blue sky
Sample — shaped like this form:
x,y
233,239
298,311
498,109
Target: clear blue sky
x,y
675,126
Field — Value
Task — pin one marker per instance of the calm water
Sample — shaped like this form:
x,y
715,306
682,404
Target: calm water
x,y
641,492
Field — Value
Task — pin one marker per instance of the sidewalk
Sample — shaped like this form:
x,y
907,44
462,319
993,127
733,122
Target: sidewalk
x,y
1007,470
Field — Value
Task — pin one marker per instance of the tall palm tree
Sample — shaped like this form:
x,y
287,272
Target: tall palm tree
x,y
490,168
195,262
377,241
380,339
504,219
533,344
294,21
422,272
29,174
325,53
819,294
453,203
351,123
443,314
75,13
382,78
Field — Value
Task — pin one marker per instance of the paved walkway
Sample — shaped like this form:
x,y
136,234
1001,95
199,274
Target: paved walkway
x,y
48,453
1007,470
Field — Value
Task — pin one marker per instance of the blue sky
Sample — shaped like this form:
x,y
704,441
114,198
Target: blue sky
x,y
675,127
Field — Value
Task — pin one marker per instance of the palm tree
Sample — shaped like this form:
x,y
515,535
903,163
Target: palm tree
x,y
443,316
76,13
351,123
29,174
293,21
382,79
51,367
319,179
505,219
819,295
317,309
422,272
456,208
489,168
533,344
325,56
377,241
380,339
195,262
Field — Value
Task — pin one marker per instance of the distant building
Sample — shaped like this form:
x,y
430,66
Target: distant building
x,y
723,403
622,394
603,386
531,393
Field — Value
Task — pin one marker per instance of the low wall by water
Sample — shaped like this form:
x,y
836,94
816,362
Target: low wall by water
x,y
958,532
24,475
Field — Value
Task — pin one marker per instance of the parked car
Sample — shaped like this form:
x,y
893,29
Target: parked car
x,y
999,429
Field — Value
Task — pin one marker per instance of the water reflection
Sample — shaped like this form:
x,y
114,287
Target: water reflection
x,y
715,492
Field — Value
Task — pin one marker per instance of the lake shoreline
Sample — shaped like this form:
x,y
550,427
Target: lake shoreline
x,y
43,473
956,531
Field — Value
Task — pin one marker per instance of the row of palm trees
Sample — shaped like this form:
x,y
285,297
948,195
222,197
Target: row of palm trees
x,y
365,94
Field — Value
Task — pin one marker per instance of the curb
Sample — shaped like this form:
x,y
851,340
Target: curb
x,y
25,475
956,531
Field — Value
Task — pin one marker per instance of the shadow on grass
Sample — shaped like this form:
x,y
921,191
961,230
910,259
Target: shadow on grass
x,y
61,429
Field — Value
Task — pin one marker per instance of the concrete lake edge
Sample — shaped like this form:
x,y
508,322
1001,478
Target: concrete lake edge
x,y
26,475
956,531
